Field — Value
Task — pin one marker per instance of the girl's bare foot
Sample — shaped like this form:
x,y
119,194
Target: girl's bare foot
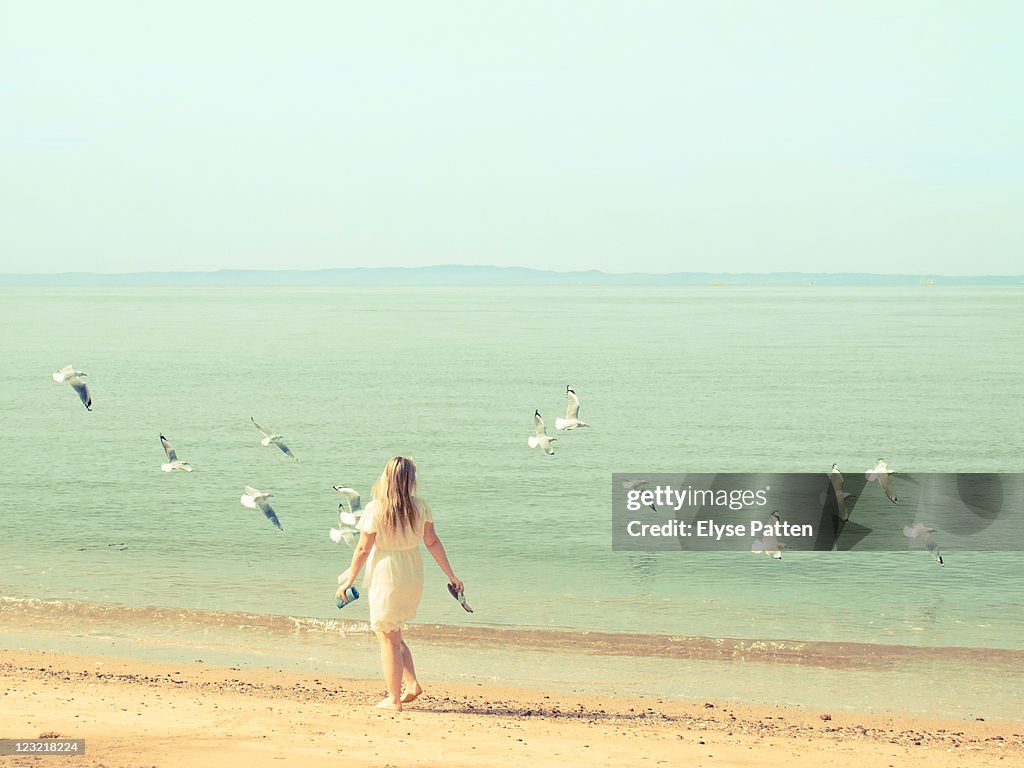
x,y
388,703
411,694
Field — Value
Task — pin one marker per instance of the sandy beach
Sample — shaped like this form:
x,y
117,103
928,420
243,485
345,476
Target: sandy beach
x,y
134,713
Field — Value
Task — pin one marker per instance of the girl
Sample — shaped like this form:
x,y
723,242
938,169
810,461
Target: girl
x,y
392,526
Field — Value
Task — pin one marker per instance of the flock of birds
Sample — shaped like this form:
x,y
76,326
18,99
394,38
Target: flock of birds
x,y
884,476
251,498
350,509
770,545
540,437
881,474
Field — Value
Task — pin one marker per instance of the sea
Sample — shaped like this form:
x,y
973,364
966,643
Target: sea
x,y
106,554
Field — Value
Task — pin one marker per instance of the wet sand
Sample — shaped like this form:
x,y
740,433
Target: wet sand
x,y
135,713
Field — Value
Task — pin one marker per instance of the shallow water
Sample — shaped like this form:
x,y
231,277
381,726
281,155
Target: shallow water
x,y
672,380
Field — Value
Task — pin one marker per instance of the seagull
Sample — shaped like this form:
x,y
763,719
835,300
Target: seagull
x,y
541,438
841,495
269,437
173,462
354,511
924,535
638,485
349,535
349,512
253,499
72,377
572,412
770,544
882,474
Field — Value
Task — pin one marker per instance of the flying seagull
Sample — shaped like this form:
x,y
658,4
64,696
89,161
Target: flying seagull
x,y
541,438
769,543
73,377
256,499
349,512
173,462
924,534
270,438
572,412
883,475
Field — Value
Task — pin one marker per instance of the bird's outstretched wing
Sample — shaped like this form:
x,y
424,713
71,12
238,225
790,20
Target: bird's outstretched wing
x,y
268,510
82,389
538,425
171,455
572,410
266,432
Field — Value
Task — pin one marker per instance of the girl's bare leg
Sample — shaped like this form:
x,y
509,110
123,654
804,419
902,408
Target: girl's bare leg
x,y
391,659
412,685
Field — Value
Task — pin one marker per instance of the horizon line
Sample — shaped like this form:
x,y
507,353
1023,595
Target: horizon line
x,y
591,271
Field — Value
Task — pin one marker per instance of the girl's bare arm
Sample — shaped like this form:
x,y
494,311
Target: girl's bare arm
x,y
359,556
436,549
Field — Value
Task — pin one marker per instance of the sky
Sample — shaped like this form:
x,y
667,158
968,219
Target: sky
x,y
690,135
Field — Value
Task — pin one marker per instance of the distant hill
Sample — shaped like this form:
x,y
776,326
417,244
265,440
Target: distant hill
x,y
454,275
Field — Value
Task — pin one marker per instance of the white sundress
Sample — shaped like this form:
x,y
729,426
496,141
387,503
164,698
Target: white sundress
x,y
394,569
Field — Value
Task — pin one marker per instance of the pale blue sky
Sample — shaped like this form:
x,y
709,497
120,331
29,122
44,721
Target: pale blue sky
x,y
648,136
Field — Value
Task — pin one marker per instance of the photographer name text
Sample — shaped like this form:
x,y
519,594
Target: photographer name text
x,y
709,529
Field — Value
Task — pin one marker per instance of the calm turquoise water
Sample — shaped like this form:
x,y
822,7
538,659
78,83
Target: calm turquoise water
x,y
671,380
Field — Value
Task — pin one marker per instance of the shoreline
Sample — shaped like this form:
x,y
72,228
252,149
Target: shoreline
x,y
198,714
49,614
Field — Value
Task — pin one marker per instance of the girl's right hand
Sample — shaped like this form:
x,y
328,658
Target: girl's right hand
x,y
345,581
458,585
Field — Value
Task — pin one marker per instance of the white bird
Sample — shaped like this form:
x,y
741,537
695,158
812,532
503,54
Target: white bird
x,y
254,499
769,543
270,438
883,475
541,437
924,534
73,377
350,510
638,485
173,462
572,412
349,513
770,546
349,535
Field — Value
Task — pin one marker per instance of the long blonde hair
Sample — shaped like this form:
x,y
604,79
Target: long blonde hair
x,y
394,491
